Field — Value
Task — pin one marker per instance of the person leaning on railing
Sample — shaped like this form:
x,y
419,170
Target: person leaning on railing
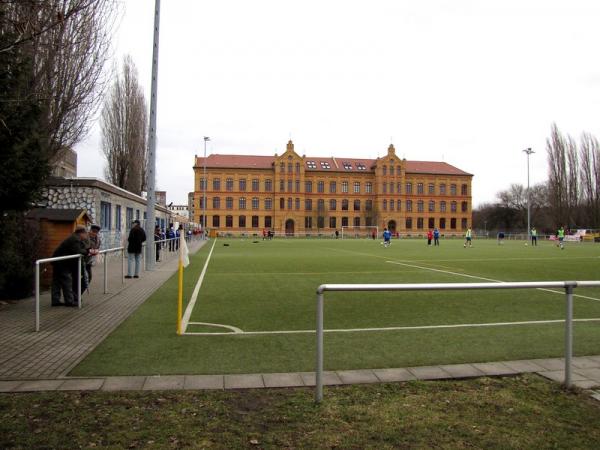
x,y
65,271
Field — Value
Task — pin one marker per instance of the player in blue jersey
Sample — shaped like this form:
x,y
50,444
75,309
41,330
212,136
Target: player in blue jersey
x,y
387,237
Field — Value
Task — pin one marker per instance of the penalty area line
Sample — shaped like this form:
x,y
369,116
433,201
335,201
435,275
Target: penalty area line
x,y
418,327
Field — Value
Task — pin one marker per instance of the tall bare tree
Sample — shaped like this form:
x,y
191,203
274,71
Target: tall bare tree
x,y
124,130
556,147
590,178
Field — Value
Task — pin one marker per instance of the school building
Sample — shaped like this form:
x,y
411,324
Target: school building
x,y
299,195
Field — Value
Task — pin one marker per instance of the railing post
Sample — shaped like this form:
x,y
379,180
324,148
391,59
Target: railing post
x,y
123,265
568,335
105,273
37,296
79,282
319,373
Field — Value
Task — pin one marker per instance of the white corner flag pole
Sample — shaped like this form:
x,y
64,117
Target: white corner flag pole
x,y
184,261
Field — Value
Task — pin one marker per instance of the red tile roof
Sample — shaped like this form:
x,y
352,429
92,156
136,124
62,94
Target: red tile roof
x,y
335,164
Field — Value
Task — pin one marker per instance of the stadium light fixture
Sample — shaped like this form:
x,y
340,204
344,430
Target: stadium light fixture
x,y
528,151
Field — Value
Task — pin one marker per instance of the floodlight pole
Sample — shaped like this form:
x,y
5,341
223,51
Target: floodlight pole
x,y
528,151
206,139
151,169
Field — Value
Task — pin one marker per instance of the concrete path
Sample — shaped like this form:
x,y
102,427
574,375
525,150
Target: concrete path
x,y
67,335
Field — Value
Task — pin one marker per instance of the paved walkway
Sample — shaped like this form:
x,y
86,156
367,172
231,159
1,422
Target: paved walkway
x,y
67,335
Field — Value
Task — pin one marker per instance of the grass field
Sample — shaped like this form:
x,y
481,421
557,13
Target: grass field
x,y
266,291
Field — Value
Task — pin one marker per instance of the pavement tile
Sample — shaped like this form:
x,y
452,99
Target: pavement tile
x,y
282,380
559,376
123,383
357,376
588,373
495,368
584,362
204,382
586,384
523,366
166,383
595,358
462,371
550,363
392,375
329,378
82,384
7,386
429,372
246,381
38,385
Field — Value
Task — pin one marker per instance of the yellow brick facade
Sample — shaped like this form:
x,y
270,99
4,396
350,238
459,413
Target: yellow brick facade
x,y
303,195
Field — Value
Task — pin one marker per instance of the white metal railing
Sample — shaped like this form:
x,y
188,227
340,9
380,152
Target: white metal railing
x,y
568,286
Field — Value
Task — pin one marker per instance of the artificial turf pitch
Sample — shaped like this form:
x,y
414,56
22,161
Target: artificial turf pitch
x,y
269,286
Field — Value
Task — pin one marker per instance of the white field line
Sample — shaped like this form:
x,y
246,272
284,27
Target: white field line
x,y
420,327
190,306
230,327
486,279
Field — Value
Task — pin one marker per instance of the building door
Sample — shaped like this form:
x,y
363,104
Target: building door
x,y
289,227
392,226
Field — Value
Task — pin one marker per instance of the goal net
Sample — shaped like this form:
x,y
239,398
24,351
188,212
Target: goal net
x,y
362,232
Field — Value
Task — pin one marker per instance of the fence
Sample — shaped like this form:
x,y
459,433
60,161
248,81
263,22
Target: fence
x,y
568,286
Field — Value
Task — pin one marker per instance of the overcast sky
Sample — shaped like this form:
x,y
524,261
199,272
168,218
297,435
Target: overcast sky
x,y
468,82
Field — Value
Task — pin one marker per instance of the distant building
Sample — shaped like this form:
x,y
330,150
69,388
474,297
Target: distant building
x,y
191,206
161,198
180,213
302,194
65,164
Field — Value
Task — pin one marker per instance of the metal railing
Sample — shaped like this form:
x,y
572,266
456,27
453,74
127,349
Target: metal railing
x,y
568,286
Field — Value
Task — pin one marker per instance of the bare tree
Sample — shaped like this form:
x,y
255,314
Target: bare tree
x,y
124,131
557,176
590,178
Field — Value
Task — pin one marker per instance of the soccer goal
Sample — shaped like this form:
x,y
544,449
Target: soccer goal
x,y
361,232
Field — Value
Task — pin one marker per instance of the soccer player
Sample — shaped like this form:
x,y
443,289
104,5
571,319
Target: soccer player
x,y
387,236
468,237
533,236
561,237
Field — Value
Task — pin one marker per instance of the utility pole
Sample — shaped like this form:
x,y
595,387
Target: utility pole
x,y
528,151
151,170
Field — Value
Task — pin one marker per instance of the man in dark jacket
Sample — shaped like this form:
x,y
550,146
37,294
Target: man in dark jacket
x,y
62,271
137,236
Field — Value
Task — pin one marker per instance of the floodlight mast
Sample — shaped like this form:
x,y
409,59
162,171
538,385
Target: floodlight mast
x,y
528,151
204,236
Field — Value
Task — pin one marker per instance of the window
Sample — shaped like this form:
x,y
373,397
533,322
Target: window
x,y
361,167
137,214
332,187
229,184
408,188
332,222
308,204
282,167
320,186
453,223
392,204
368,221
308,186
325,165
290,203
255,185
442,206
254,221
399,188
442,189
242,203
344,187
281,185
408,205
268,203
242,184
357,221
290,168
201,202
452,189
368,205
453,207
369,187
128,218
105,215
409,223
356,205
229,203
431,188
216,221
202,184
297,204
242,222
385,205
344,205
290,184
255,203
229,221
392,170
431,207
357,187
464,190
391,188
307,222
442,223
298,168
384,188
320,222
216,184
384,170
297,185
420,206
321,205
399,205
268,185
344,221
431,223
347,165
268,221
311,164
332,204
419,223
464,206
419,188
118,217
216,202
282,203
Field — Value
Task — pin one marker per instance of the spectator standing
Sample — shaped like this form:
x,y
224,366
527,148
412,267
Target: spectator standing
x,y
429,237
93,243
157,238
136,238
62,271
171,237
436,237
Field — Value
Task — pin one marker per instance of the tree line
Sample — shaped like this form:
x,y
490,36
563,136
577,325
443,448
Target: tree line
x,y
570,197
